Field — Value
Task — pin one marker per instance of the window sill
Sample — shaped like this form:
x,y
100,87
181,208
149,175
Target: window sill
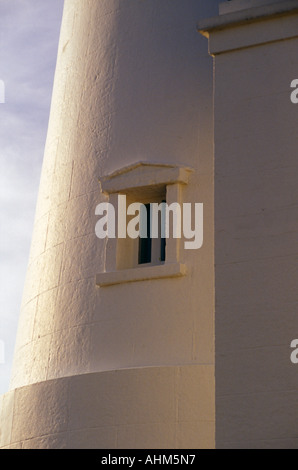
x,y
144,273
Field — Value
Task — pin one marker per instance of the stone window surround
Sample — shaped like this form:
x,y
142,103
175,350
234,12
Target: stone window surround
x,y
145,180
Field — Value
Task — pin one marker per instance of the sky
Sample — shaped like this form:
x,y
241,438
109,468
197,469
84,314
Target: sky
x,y
29,35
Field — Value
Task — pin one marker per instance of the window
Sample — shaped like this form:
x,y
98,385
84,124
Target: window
x,y
152,249
145,241
150,255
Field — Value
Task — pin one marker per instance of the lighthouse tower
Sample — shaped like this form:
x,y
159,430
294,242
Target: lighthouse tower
x,y
130,342
113,352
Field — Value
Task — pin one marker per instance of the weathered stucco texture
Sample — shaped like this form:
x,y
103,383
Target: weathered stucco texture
x,y
133,83
256,230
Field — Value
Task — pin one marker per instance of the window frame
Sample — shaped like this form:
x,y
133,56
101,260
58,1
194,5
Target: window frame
x,y
142,182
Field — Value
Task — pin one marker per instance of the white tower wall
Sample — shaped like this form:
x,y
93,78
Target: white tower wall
x,y
130,364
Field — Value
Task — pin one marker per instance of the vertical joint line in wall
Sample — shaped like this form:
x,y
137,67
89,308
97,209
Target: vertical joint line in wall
x,y
68,408
35,314
105,254
56,153
47,232
13,416
193,341
116,437
71,179
51,341
58,285
176,379
61,266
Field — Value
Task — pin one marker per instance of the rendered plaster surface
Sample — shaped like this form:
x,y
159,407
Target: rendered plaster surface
x,y
256,227
133,83
167,407
237,5
118,98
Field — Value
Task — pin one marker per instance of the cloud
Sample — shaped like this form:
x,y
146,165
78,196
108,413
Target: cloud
x,y
29,33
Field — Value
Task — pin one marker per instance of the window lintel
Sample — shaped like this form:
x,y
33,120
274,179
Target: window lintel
x,y
144,175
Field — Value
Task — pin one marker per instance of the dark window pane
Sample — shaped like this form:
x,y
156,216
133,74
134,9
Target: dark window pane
x,y
163,239
145,243
163,249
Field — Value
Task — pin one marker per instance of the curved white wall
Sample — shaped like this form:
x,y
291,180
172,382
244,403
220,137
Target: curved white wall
x,y
144,408
133,82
